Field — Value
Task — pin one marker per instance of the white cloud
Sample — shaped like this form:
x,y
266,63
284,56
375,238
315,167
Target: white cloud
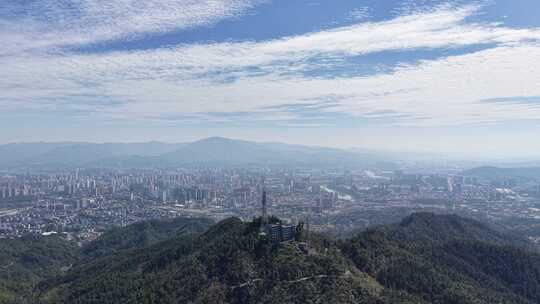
x,y
34,25
186,79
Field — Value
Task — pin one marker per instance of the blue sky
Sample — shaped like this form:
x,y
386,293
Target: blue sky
x,y
443,76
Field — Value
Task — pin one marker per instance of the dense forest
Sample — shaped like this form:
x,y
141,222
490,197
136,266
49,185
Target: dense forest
x,y
29,260
425,258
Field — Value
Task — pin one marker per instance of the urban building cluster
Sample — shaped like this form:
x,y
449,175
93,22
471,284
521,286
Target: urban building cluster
x,y
83,203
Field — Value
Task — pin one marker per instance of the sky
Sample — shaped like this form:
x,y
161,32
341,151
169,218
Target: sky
x,y
454,77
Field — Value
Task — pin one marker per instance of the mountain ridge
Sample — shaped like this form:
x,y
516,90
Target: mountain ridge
x,y
208,151
500,173
230,263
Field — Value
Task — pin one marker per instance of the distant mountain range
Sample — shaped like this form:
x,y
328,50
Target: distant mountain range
x,y
499,173
209,151
426,258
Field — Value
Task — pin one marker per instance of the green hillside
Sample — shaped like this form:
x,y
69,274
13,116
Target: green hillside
x,y
144,234
426,258
229,263
27,261
450,265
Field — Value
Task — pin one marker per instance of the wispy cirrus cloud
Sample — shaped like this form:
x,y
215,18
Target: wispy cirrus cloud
x,y
267,77
522,100
40,24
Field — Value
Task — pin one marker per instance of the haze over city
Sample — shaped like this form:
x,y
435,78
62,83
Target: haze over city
x,y
439,76
269,151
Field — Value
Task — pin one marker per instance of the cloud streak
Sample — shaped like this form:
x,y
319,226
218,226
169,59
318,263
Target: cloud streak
x,y
266,77
39,24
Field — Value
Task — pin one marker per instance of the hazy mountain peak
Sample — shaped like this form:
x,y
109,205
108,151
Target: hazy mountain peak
x,y
425,226
218,140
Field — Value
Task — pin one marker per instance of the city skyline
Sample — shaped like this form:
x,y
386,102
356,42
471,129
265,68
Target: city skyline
x,y
269,151
430,76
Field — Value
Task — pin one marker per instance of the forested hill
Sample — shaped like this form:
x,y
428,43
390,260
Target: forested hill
x,y
432,229
229,263
29,260
448,259
144,234
426,258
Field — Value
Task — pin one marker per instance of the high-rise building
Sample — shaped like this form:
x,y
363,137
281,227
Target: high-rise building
x,y
264,211
450,184
281,233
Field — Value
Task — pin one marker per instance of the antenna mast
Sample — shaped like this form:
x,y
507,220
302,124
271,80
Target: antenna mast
x,y
264,211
